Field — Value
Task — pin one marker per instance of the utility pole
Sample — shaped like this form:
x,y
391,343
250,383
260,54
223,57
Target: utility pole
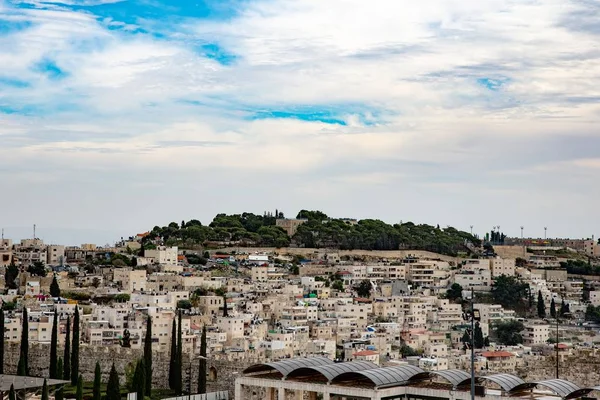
x,y
545,232
472,346
557,362
471,226
522,231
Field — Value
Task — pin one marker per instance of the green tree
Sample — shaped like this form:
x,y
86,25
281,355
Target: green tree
x,y
59,368
509,332
338,285
455,292
12,395
10,276
54,288
54,348
148,355
23,367
553,308
541,307
67,352
139,379
37,268
407,351
97,382
486,341
564,308
466,340
79,392
225,308
113,389
478,339
75,348
202,363
363,289
2,341
173,357
184,304
510,292
45,390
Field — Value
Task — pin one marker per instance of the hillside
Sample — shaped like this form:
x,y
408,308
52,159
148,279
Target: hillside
x,y
320,231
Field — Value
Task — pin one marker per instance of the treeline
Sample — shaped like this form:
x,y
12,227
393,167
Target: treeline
x,y
319,231
580,267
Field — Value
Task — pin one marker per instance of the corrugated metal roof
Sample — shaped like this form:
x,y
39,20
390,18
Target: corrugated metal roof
x,y
287,366
332,371
454,376
387,376
506,381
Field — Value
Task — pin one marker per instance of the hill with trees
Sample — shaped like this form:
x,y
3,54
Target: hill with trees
x,y
319,231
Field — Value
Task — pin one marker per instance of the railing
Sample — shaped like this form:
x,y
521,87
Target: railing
x,y
223,395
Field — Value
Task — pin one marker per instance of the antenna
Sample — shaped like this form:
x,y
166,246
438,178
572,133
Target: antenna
x,y
545,232
33,231
522,231
3,234
471,226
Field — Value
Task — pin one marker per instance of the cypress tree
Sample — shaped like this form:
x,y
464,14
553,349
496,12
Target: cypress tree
x,y
541,307
75,348
139,379
148,356
179,361
67,354
173,357
11,393
553,309
478,338
202,361
59,393
564,308
79,392
59,368
45,390
97,382
2,341
225,310
113,391
54,288
53,348
23,367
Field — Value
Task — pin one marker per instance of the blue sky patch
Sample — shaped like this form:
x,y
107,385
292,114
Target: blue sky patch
x,y
13,82
339,114
217,53
323,116
50,69
493,84
10,26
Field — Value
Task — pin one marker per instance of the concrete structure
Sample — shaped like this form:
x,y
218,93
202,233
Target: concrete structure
x,y
289,225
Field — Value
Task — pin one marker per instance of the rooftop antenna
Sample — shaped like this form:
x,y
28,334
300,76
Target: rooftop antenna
x,y
471,226
522,231
545,232
3,234
33,231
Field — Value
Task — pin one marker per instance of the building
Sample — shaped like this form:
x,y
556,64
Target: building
x,y
163,255
535,334
289,225
130,280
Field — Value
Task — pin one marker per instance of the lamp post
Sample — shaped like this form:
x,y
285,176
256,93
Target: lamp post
x,y
192,359
472,315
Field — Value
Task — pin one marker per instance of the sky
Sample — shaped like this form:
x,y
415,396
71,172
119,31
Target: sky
x,y
117,115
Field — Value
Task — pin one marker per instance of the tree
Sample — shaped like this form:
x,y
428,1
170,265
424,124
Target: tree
x,y
510,292
541,307
113,390
225,308
59,393
148,355
179,363
59,368
363,289
455,292
407,351
202,365
45,390
23,367
184,304
338,285
38,269
54,348
486,341
478,338
2,341
54,288
553,308
564,308
139,379
11,393
75,348
10,276
97,382
466,340
173,357
509,332
79,392
67,353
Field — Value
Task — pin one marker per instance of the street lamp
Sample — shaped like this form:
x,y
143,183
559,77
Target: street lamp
x,y
473,316
190,373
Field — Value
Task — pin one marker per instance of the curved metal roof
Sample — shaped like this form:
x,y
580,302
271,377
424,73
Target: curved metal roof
x,y
559,386
287,366
506,381
331,371
388,376
455,376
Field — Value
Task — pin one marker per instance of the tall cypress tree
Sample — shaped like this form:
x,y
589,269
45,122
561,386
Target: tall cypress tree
x,y
67,354
54,348
75,348
173,357
553,308
478,338
202,365
139,379
113,390
59,368
179,369
148,355
11,393
225,308
541,307
2,341
45,391
564,308
54,288
97,382
79,392
23,367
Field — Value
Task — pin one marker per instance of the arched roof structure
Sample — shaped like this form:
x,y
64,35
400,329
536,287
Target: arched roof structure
x,y
563,388
507,382
286,366
456,377
383,377
330,371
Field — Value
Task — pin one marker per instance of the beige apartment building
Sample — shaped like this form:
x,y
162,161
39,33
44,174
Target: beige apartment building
x,y
129,279
289,225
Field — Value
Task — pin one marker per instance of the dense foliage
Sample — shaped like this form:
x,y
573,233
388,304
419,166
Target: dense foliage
x,y
592,314
509,332
580,267
511,293
318,231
